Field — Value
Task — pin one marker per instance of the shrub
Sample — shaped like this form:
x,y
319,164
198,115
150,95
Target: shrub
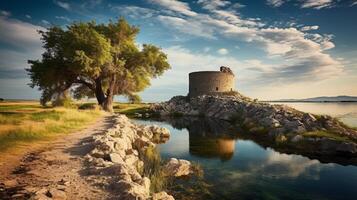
x,y
64,101
89,106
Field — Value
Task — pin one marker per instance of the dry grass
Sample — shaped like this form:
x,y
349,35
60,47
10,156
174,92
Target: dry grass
x,y
25,122
154,170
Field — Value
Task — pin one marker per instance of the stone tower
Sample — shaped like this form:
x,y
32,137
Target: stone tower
x,y
211,82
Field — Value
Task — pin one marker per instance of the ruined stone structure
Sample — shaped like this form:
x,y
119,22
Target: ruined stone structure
x,y
211,82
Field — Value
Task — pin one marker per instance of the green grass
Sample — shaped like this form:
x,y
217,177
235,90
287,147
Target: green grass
x,y
45,115
153,169
26,122
13,119
325,134
16,107
194,185
131,109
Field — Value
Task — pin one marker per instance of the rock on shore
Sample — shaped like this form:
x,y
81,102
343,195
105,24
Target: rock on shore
x,y
278,121
117,153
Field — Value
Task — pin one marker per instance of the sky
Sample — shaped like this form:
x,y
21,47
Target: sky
x,y
277,49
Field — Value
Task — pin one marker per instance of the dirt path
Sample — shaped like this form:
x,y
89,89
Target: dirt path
x,y
57,170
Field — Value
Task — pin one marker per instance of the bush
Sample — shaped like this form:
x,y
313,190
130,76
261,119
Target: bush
x,y
134,98
89,106
64,101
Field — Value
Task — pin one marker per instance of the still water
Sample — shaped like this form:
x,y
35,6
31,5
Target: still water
x,y
242,169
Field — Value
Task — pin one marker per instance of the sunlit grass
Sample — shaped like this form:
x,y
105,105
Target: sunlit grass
x,y
24,122
325,134
182,187
153,169
131,109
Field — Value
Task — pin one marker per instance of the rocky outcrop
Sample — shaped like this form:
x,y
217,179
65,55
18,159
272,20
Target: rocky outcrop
x,y
275,120
117,153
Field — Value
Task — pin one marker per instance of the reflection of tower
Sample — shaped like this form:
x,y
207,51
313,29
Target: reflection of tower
x,y
207,147
208,138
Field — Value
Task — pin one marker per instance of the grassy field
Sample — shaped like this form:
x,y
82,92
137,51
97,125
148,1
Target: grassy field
x,y
23,122
131,109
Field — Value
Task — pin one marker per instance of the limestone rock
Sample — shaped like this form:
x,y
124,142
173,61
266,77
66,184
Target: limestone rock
x,y
297,138
116,158
145,182
178,167
57,194
10,183
162,196
40,196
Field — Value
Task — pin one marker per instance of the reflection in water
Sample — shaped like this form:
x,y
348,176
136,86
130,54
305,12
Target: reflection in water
x,y
255,172
282,165
210,148
208,138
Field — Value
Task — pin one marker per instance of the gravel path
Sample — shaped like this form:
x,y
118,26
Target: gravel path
x,y
57,170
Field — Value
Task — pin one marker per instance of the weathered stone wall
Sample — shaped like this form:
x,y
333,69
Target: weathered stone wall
x,y
210,82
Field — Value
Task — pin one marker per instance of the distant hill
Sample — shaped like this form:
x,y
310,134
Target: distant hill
x,y
321,99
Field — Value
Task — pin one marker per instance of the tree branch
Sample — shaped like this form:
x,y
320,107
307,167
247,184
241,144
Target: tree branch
x,y
89,85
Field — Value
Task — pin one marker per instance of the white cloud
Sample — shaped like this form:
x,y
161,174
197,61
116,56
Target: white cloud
x,y
354,2
63,18
184,61
275,3
206,49
189,26
317,4
301,55
290,165
238,5
63,5
309,28
214,4
235,19
176,6
222,51
258,65
19,34
135,11
28,16
325,45
45,22
305,59
314,4
5,13
25,44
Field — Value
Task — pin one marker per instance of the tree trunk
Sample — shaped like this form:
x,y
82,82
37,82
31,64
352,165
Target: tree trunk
x,y
108,103
99,94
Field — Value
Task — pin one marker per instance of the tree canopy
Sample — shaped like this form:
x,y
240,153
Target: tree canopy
x,y
95,60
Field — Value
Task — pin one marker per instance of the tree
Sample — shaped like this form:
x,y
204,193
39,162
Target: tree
x,y
95,60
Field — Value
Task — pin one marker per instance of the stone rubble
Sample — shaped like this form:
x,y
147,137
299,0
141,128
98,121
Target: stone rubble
x,y
118,150
276,120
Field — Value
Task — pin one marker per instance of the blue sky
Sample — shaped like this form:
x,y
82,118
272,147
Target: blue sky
x,y
277,48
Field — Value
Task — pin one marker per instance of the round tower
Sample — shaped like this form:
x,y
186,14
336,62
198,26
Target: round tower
x,y
211,82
